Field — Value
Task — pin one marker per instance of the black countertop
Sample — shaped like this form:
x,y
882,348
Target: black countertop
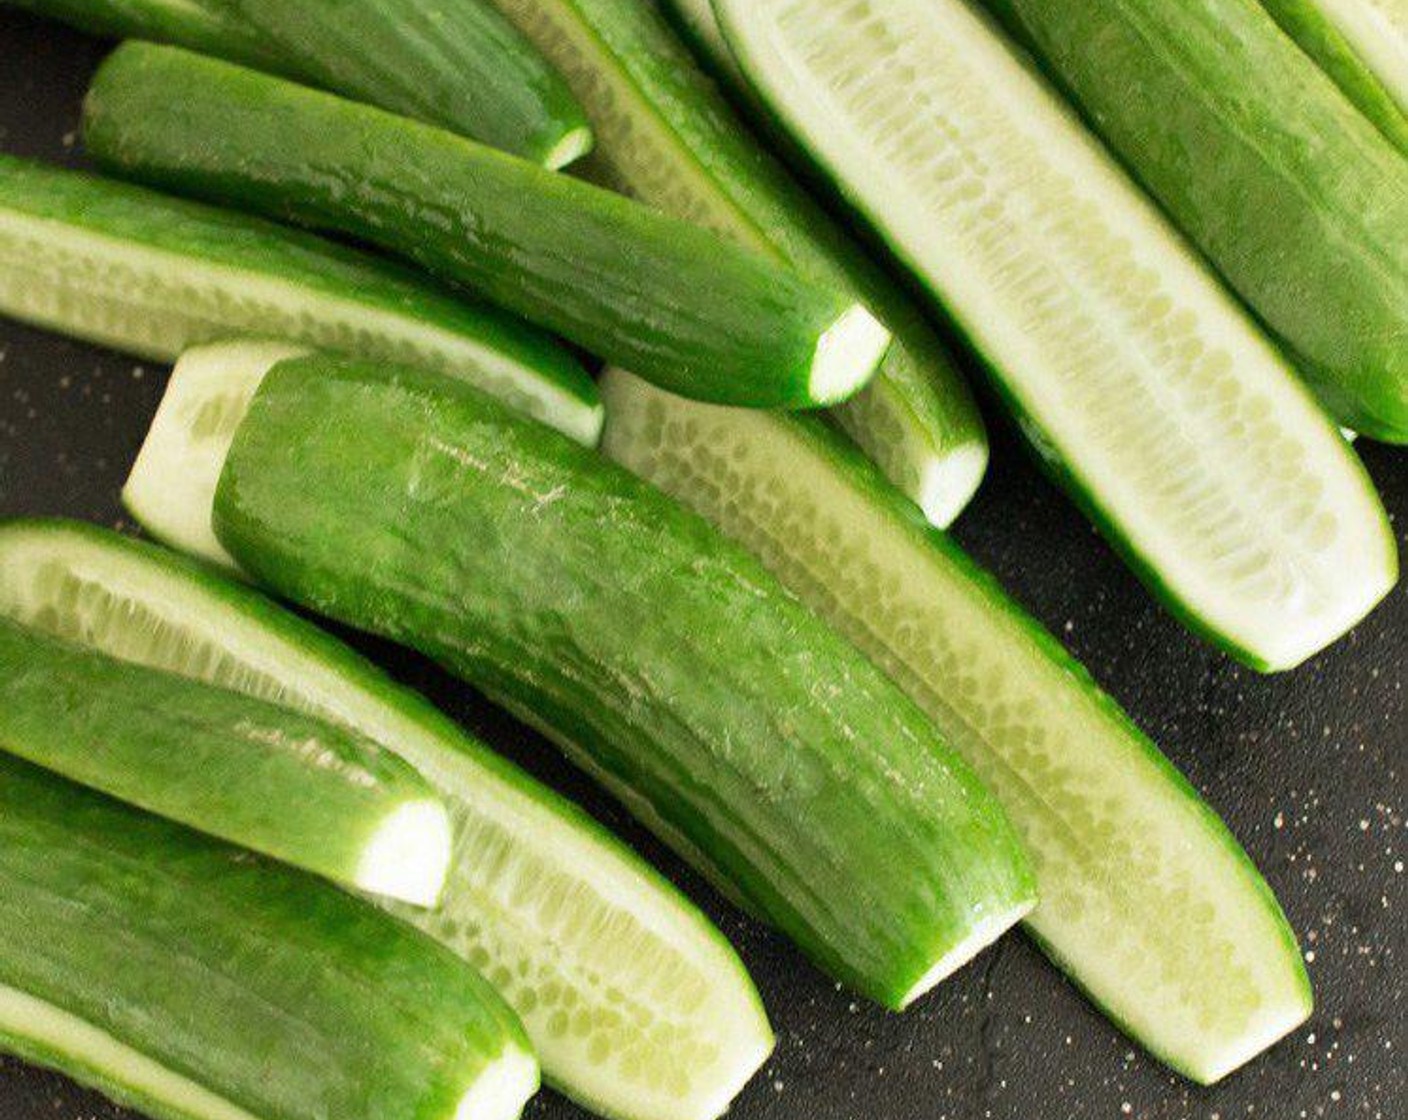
x,y
1306,767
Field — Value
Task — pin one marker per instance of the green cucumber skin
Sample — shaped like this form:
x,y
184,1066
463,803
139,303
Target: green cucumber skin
x,y
542,576
1294,196
196,24
673,302
289,786
740,191
459,65
480,919
243,976
1306,23
246,246
948,697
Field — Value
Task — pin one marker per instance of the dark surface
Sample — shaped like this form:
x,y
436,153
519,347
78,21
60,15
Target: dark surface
x,y
1307,767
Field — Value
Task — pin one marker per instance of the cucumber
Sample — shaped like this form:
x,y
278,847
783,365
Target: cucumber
x,y
666,137
128,268
1363,46
1147,901
765,749
1142,385
636,1005
1296,199
457,64
287,785
675,303
198,24
196,982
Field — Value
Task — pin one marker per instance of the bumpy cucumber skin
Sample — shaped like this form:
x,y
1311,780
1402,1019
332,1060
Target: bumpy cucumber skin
x,y
290,643
458,65
242,244
673,302
1294,196
197,24
281,994
294,788
834,464
662,658
1305,22
918,411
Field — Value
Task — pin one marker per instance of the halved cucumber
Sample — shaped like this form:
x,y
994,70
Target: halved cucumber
x,y
637,1006
1146,900
1363,46
1142,384
666,137
152,275
169,487
278,782
1294,197
675,302
760,745
195,981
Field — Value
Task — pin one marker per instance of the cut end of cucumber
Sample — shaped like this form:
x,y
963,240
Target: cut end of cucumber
x,y
171,488
847,355
1274,1025
501,1092
409,857
949,483
984,934
572,147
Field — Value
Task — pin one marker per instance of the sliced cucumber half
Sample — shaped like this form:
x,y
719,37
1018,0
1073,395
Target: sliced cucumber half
x,y
637,1006
1151,394
1146,899
151,275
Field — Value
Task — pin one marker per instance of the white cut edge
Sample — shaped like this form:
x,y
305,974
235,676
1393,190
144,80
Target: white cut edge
x,y
950,481
408,856
1273,1026
171,487
741,1028
458,355
847,355
979,938
573,145
96,1053
502,1089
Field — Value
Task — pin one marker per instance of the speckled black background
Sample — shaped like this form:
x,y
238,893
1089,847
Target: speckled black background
x,y
1307,768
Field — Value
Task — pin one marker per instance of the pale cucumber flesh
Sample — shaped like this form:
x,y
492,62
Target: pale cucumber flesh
x,y
1146,900
1378,31
1146,388
666,137
636,1005
169,488
154,303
